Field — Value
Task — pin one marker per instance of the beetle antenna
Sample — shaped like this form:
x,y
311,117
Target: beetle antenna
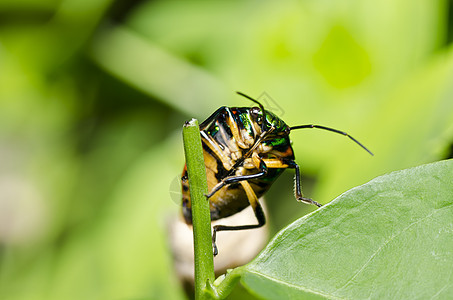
x,y
333,130
261,107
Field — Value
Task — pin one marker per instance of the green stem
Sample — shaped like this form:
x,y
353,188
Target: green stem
x,y
201,219
226,283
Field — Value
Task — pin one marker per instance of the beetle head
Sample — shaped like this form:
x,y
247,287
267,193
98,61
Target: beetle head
x,y
270,122
267,120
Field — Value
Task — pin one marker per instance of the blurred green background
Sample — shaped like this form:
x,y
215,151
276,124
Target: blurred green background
x,y
93,95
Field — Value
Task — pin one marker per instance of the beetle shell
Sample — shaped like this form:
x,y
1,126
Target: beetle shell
x,y
227,136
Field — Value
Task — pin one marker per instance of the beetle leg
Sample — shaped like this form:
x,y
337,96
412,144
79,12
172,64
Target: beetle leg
x,y
252,149
275,163
232,179
257,209
298,191
214,147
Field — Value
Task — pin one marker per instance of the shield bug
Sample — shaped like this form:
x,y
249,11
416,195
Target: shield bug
x,y
245,150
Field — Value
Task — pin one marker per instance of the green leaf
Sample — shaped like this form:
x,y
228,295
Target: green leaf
x,y
389,238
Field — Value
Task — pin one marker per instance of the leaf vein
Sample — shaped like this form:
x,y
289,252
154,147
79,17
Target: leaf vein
x,y
386,243
293,285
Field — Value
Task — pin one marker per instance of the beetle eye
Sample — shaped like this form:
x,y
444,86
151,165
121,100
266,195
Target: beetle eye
x,y
255,112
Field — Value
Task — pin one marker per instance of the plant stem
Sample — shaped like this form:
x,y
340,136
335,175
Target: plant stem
x,y
201,219
228,282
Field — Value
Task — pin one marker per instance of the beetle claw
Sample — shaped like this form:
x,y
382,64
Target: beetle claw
x,y
309,201
316,203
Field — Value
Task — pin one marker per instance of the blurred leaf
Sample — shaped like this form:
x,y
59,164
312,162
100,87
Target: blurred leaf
x,y
341,60
149,68
27,4
50,42
388,238
37,173
414,124
126,255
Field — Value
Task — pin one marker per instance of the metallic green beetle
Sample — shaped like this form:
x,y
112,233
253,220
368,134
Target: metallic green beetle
x,y
245,150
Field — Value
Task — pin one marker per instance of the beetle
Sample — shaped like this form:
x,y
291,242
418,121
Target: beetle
x,y
245,150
